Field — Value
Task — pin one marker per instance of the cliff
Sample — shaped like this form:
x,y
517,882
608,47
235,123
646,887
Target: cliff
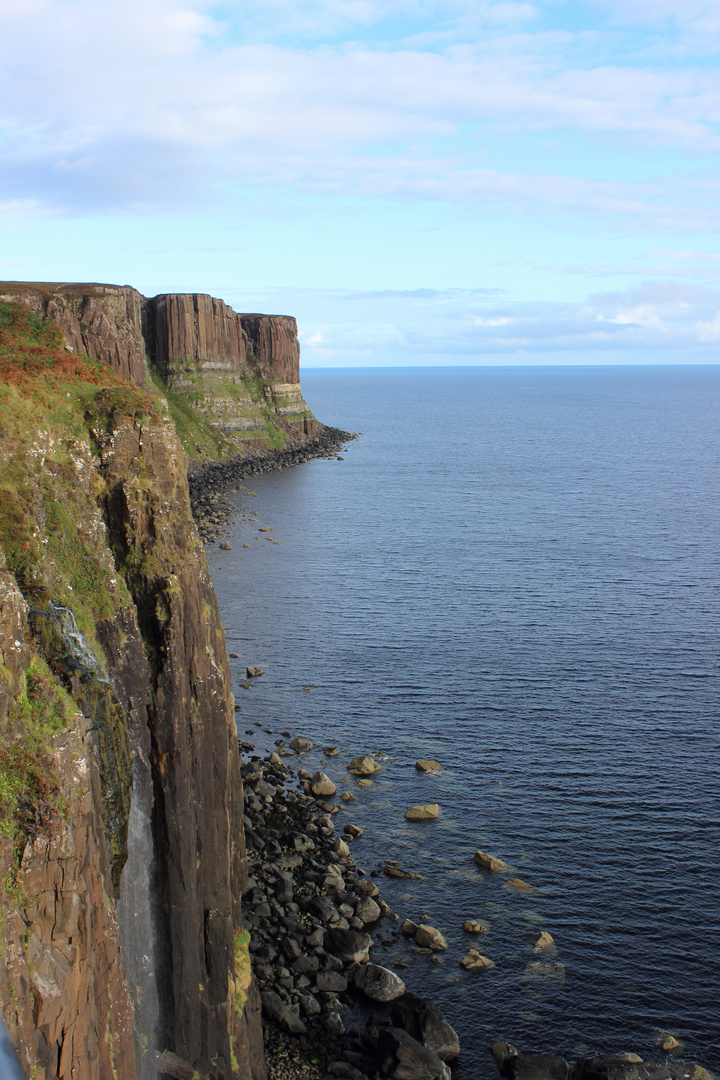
x,y
232,381
121,845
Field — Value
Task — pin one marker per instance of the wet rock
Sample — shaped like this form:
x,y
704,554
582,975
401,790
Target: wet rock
x,y
474,961
364,782
475,926
321,784
331,751
392,870
404,1058
668,1043
425,1022
287,1016
427,812
225,546
364,766
253,672
428,937
501,1051
409,928
347,796
428,765
488,862
517,883
301,746
340,848
543,940
352,830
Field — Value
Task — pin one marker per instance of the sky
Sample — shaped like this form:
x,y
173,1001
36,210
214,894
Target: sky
x,y
417,181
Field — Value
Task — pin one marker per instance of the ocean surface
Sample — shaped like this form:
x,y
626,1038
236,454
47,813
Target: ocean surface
x,y
514,571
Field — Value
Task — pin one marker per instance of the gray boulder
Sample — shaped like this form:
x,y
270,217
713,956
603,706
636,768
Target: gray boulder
x,y
404,1058
378,983
287,1016
350,946
425,1022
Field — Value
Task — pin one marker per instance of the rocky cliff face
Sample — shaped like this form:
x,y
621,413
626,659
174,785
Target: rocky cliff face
x,y
121,842
233,380
100,321
240,372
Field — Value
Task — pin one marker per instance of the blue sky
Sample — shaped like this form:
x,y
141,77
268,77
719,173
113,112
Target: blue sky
x,y
417,181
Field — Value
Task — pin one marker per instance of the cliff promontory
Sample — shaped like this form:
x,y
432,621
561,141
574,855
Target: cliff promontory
x,y
121,843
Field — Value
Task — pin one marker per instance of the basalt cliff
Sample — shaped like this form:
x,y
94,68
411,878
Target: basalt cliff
x,y
122,857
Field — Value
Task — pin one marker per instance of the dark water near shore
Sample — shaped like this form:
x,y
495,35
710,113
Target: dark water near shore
x,y
515,571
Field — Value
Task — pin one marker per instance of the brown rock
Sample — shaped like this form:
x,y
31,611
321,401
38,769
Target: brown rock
x,y
428,812
428,765
488,862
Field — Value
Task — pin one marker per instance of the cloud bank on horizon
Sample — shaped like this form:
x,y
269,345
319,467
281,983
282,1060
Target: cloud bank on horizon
x,y
419,181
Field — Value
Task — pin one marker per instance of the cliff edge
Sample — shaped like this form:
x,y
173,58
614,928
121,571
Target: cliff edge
x,y
122,854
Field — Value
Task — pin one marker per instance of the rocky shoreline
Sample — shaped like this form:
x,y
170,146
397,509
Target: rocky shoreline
x,y
314,918
208,480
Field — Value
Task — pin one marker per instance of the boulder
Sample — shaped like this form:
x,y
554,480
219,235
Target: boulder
x,y
287,1016
488,862
367,910
378,983
517,883
404,1058
668,1043
474,961
353,830
350,946
428,765
501,1051
330,982
428,812
425,1022
347,796
475,926
543,940
321,784
427,937
363,766
340,848
331,751
409,928
301,746
253,672
225,546
535,1067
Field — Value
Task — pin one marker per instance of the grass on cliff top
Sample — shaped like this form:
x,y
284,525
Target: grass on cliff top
x,y
50,402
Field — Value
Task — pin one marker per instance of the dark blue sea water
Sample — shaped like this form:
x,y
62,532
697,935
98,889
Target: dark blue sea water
x,y
515,571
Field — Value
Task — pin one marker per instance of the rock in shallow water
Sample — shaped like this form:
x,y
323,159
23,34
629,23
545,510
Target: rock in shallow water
x,y
364,766
488,862
428,812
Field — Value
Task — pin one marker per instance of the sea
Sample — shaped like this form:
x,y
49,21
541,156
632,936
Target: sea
x,y
514,571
